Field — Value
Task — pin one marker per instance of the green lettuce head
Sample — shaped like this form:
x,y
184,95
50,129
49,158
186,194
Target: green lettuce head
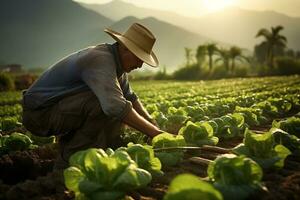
x,y
93,174
235,176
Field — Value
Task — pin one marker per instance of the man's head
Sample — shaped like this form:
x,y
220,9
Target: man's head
x,y
128,59
135,46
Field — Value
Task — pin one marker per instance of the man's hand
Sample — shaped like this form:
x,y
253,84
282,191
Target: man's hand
x,y
134,120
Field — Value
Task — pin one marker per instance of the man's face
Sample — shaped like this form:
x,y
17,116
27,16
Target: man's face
x,y
129,60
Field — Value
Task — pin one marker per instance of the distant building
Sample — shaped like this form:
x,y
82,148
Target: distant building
x,y
12,68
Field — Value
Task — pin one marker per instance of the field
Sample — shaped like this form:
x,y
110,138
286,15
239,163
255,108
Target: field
x,y
256,119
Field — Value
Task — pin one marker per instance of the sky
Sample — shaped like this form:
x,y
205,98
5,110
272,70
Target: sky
x,y
200,7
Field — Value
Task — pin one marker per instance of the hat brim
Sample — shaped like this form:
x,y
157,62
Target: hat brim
x,y
149,59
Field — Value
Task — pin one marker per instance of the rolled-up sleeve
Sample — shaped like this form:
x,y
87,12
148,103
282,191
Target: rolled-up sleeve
x,y
100,76
127,91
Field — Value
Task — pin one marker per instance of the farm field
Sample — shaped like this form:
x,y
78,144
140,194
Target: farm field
x,y
239,135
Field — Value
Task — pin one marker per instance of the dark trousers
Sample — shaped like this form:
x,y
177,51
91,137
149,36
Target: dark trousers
x,y
79,122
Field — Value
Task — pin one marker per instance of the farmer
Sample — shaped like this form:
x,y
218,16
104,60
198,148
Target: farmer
x,y
85,97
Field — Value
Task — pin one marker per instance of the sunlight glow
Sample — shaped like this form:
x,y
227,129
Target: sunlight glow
x,y
215,5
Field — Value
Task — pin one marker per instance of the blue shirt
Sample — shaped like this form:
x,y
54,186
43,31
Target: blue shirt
x,y
97,68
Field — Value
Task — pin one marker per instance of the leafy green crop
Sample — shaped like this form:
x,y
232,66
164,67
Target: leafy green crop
x,y
290,125
168,140
95,175
235,176
262,149
199,133
291,142
160,118
228,126
144,157
190,187
195,112
15,142
9,123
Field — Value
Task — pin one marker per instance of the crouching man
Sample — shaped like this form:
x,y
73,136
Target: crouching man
x,y
85,97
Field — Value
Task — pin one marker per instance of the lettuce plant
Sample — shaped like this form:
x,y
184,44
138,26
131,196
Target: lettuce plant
x,y
93,175
262,149
199,133
291,142
290,125
176,119
251,115
195,112
168,140
228,126
188,186
160,118
9,123
235,176
144,157
15,142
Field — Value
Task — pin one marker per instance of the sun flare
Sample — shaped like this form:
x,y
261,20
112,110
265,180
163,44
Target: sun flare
x,y
215,5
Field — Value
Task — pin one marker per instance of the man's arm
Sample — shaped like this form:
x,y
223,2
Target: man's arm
x,y
134,120
131,96
139,108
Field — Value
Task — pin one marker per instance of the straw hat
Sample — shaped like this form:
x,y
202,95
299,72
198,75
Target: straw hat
x,y
139,40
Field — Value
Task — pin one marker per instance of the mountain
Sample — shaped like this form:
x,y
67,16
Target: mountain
x,y
171,39
232,25
118,9
36,33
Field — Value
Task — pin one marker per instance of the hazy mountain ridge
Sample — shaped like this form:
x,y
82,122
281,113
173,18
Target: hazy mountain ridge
x,y
232,25
35,33
41,32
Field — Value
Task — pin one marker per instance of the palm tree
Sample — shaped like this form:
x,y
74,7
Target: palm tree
x,y
224,57
188,56
211,49
200,54
235,53
272,39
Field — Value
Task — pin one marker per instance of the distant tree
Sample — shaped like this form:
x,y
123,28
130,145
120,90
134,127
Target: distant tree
x,y
211,50
223,57
235,53
298,54
260,52
272,39
290,53
200,54
188,56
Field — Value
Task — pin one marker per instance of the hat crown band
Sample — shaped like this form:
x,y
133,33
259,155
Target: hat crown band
x,y
140,36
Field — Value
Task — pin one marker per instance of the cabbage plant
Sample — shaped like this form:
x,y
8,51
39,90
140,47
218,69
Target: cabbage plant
x,y
236,177
228,126
15,142
93,174
262,149
190,187
9,123
291,142
168,140
290,125
144,157
199,133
